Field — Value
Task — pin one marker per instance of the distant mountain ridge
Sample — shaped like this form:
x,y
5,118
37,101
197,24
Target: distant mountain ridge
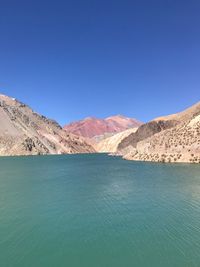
x,y
91,127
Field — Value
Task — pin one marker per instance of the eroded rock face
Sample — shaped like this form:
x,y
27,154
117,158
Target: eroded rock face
x,y
25,132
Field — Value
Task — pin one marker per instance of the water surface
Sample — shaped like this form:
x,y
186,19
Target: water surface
x,y
98,211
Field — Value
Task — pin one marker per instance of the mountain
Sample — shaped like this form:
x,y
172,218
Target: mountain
x,y
184,115
92,127
110,144
144,131
155,126
25,132
172,138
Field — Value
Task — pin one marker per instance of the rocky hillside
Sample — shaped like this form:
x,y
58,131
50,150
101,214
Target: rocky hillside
x,y
175,143
92,127
25,132
185,115
110,144
144,131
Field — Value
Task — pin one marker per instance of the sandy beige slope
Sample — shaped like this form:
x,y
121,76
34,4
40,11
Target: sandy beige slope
x,y
145,131
179,143
25,132
184,115
110,144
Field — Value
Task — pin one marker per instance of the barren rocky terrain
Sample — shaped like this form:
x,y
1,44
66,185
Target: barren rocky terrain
x,y
25,132
172,138
175,143
110,144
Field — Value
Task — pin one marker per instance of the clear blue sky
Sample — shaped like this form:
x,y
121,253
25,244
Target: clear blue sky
x,y
72,59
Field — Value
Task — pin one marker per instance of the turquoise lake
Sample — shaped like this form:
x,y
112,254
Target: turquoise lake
x,y
98,211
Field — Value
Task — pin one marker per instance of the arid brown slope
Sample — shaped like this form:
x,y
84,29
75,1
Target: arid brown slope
x,y
185,115
25,132
144,131
176,143
155,126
